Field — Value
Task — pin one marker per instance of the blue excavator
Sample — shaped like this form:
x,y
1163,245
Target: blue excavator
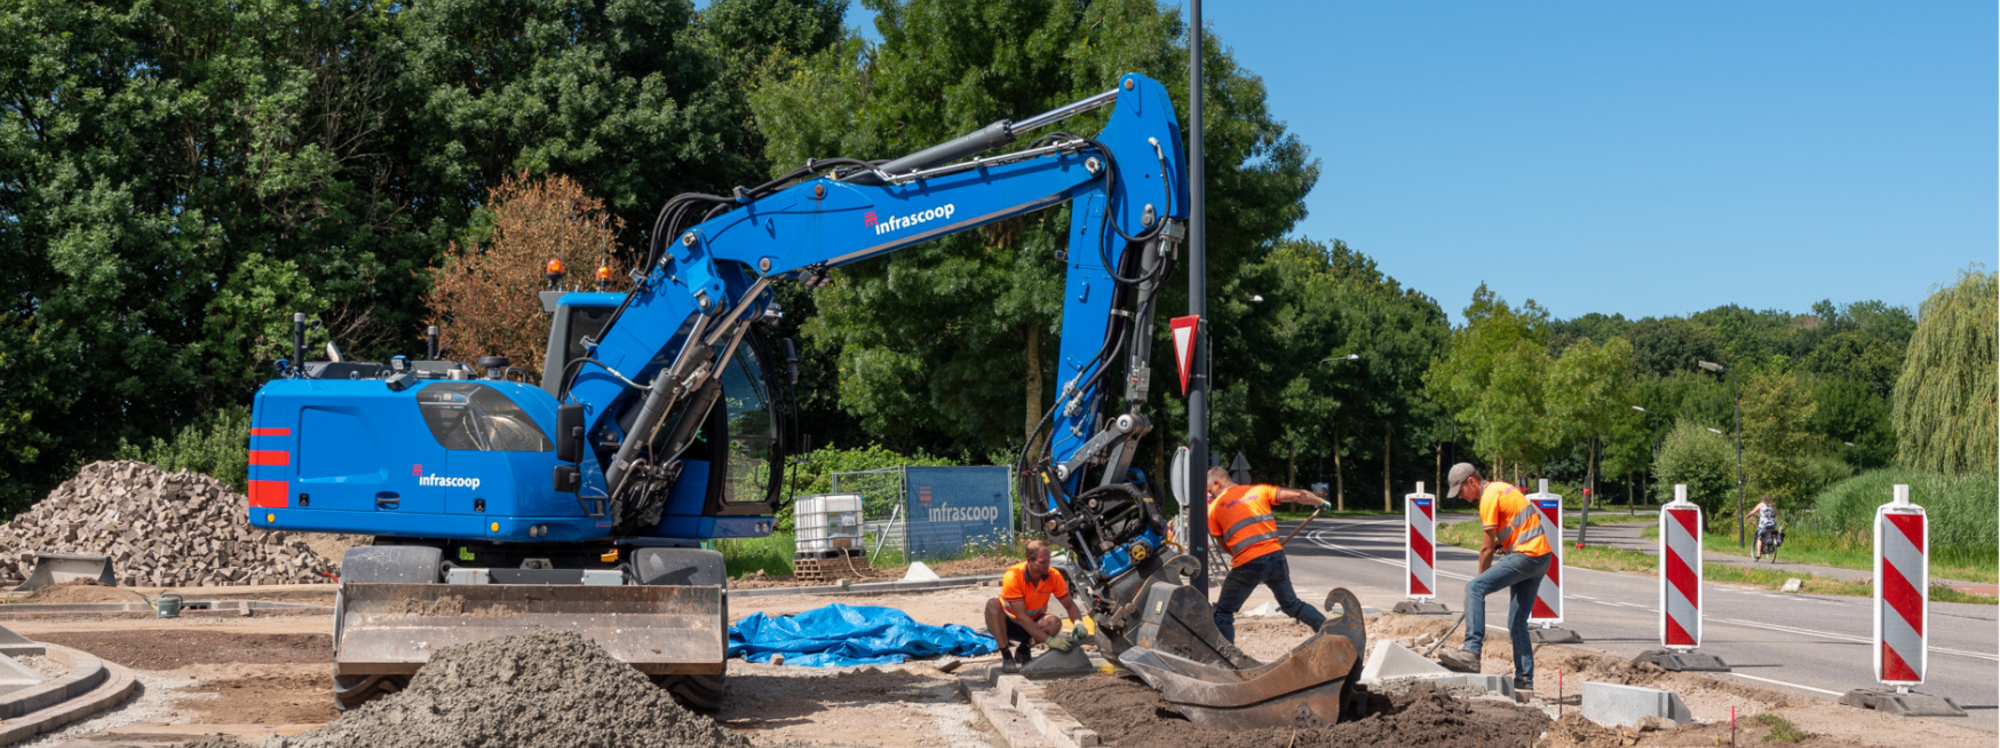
x,y
498,505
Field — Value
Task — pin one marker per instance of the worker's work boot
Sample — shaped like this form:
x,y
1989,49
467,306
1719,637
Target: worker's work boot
x,y
1021,654
1524,683
1007,663
1459,660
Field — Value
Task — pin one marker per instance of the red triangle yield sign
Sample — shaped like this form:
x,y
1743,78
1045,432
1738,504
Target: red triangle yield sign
x,y
1184,337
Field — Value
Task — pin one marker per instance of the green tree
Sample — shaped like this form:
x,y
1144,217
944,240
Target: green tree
x,y
1944,400
930,339
1778,441
1703,461
1589,392
1494,382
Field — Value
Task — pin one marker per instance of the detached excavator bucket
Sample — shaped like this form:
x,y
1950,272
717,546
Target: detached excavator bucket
x,y
1308,687
392,629
57,568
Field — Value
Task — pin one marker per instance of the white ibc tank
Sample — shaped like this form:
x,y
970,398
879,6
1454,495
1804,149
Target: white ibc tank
x,y
827,522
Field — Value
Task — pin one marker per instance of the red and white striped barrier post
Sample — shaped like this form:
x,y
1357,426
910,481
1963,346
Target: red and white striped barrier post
x,y
1548,610
1420,555
1902,612
1902,591
1680,588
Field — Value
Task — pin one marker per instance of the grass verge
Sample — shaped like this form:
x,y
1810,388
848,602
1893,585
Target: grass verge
x,y
1603,558
1840,553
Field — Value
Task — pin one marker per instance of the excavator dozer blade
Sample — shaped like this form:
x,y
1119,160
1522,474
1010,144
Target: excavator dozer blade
x,y
660,630
1308,687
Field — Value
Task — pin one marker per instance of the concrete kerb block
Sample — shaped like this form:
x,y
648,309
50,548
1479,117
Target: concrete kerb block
x,y
1053,664
1910,704
15,645
15,676
1614,704
1389,660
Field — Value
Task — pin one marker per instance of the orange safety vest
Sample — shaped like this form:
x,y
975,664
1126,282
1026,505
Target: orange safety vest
x,y
1241,517
1501,503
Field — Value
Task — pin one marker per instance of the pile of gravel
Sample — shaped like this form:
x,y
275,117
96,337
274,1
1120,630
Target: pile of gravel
x,y
549,689
160,529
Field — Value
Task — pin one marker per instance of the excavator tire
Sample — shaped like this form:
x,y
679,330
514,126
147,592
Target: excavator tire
x,y
351,691
698,692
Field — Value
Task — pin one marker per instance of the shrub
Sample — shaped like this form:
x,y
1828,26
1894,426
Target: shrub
x,y
1702,460
216,445
812,473
1962,511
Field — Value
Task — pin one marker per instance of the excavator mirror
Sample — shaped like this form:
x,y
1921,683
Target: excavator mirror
x,y
569,432
791,361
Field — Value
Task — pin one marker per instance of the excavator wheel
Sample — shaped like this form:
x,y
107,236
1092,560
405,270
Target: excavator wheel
x,y
698,692
351,691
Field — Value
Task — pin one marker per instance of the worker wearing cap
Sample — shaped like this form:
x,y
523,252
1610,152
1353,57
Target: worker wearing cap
x,y
1239,517
1514,554
1020,613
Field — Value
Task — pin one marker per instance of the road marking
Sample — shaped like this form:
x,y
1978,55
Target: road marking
x,y
1786,683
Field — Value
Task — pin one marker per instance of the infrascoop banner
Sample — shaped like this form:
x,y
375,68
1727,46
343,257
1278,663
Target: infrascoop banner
x,y
952,507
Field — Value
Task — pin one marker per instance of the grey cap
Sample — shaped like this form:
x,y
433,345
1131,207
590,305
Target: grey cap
x,y
1459,473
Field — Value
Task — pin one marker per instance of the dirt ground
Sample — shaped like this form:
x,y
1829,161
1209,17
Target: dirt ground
x,y
219,673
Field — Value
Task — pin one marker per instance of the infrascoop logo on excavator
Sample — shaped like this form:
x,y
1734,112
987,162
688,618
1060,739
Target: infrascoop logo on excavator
x,y
447,481
898,223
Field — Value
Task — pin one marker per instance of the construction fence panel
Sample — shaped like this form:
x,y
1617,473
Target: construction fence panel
x,y
949,509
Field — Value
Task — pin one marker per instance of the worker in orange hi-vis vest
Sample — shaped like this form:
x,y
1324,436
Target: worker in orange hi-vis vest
x,y
1515,534
1020,613
1239,517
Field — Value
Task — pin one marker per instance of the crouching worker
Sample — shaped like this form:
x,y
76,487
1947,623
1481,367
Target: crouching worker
x,y
1514,555
1020,613
1239,517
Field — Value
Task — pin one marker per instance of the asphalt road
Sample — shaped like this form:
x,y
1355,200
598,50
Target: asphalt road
x,y
1807,644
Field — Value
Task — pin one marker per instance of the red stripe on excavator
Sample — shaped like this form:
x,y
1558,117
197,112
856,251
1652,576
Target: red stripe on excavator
x,y
267,494
270,457
271,432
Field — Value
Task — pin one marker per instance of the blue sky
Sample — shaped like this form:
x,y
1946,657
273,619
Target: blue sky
x,y
1648,159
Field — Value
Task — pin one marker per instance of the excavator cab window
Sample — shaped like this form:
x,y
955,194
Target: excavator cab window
x,y
751,424
470,416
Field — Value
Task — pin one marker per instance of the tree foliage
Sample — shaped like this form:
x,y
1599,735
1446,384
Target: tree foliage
x,y
1493,382
1944,399
947,343
177,178
1703,461
484,297
1778,442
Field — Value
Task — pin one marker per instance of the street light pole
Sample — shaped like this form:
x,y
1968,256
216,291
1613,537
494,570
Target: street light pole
x,y
1653,427
1737,387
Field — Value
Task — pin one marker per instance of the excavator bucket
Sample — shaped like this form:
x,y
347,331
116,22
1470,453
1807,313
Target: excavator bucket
x,y
1310,686
57,568
392,629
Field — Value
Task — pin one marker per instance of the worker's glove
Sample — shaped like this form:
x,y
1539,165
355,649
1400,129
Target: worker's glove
x,y
1061,643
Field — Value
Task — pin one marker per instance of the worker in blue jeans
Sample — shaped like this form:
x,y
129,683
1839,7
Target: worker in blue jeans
x,y
1241,519
1513,533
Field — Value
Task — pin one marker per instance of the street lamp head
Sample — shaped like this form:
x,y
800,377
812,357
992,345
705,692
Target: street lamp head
x,y
1640,409
1712,366
1348,357
1255,299
1717,432
1852,444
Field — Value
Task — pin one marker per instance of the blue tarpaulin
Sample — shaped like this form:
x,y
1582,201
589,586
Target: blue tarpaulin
x,y
837,635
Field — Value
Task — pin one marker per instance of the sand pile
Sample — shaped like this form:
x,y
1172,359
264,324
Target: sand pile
x,y
160,529
550,689
1126,713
